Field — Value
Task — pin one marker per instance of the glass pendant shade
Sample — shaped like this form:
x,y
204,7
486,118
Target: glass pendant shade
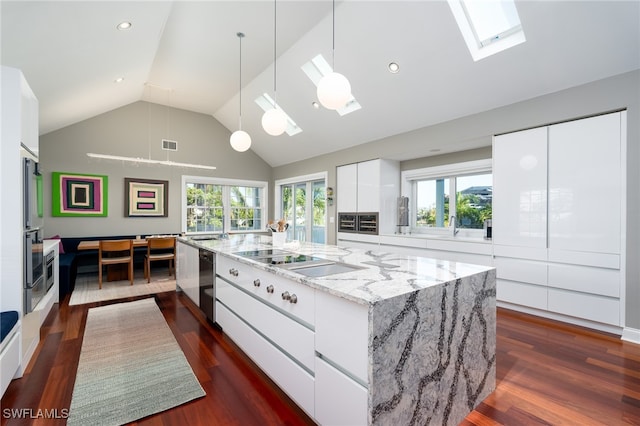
x,y
274,122
334,91
240,140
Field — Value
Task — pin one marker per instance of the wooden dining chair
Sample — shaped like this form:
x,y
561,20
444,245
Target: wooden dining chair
x,y
160,248
113,252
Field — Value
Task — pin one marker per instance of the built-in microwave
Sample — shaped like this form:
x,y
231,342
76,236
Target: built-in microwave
x,y
361,223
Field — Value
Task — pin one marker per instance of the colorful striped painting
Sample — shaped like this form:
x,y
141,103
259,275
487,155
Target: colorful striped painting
x,y
146,197
75,194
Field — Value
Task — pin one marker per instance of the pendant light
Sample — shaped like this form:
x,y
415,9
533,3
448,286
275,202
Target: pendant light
x,y
240,140
334,90
274,121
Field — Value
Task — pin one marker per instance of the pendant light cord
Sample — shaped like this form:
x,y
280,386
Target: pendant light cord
x,y
240,36
333,38
275,26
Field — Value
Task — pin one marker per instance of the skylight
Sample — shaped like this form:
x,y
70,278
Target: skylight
x,y
317,68
266,102
488,26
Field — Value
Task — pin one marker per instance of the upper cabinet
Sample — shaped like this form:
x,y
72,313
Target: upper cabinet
x,y
559,187
370,187
520,188
22,118
585,184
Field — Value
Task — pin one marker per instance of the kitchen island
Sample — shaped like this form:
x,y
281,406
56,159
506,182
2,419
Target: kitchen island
x,y
395,339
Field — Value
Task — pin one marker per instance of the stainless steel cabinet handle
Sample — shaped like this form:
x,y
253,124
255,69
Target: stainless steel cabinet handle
x,y
286,295
269,289
293,299
233,272
256,282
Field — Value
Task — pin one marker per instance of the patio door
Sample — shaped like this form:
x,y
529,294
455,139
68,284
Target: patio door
x,y
303,206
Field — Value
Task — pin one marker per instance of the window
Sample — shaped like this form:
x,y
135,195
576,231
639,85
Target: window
x,y
488,26
220,205
461,190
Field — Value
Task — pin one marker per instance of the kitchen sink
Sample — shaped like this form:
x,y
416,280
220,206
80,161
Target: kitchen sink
x,y
317,270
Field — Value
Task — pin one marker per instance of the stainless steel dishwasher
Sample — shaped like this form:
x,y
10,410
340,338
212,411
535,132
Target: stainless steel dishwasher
x,y
207,278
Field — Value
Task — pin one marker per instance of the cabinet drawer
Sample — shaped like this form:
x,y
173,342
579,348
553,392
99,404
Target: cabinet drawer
x,y
291,378
605,282
295,339
531,295
339,400
521,270
588,306
260,283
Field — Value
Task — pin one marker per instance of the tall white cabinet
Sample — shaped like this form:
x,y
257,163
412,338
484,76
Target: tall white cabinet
x,y
370,186
19,125
558,218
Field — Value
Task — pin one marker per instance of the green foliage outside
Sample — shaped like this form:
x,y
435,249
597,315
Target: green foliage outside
x,y
471,211
205,208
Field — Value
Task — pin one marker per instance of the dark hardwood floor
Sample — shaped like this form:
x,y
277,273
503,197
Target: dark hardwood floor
x,y
548,373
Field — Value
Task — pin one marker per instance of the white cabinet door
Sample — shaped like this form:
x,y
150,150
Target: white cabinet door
x,y
369,186
342,330
347,188
187,271
29,107
338,399
585,185
520,188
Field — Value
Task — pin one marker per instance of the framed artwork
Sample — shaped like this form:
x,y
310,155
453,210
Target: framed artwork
x,y
146,197
79,194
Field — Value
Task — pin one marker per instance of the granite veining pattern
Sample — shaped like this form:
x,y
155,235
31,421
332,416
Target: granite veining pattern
x,y
433,353
432,326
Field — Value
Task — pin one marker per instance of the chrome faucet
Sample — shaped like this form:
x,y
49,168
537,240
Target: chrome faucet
x,y
452,226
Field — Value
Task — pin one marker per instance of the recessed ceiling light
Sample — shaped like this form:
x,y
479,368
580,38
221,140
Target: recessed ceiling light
x,y
124,25
119,80
393,67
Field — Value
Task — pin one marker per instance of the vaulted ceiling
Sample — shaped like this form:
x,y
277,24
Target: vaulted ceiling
x,y
185,54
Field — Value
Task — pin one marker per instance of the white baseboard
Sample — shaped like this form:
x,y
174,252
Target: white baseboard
x,y
631,335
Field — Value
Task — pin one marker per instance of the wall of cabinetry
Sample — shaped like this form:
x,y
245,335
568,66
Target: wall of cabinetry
x,y
19,126
370,186
559,214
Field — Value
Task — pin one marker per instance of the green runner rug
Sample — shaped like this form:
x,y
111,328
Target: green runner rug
x,y
130,366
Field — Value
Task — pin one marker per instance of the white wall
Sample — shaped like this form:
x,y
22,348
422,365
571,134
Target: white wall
x,y
137,130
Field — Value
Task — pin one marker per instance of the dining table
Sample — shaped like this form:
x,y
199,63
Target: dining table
x,y
115,272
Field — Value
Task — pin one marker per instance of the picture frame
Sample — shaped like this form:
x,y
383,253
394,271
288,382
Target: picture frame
x,y
146,197
76,195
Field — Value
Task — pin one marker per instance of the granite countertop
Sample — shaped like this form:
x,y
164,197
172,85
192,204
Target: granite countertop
x,y
384,275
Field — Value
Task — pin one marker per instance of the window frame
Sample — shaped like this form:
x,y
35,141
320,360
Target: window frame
x,y
447,171
226,183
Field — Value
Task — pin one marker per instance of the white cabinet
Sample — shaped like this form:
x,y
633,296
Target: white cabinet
x,y
347,182
370,186
585,185
188,271
275,331
342,330
520,188
558,215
